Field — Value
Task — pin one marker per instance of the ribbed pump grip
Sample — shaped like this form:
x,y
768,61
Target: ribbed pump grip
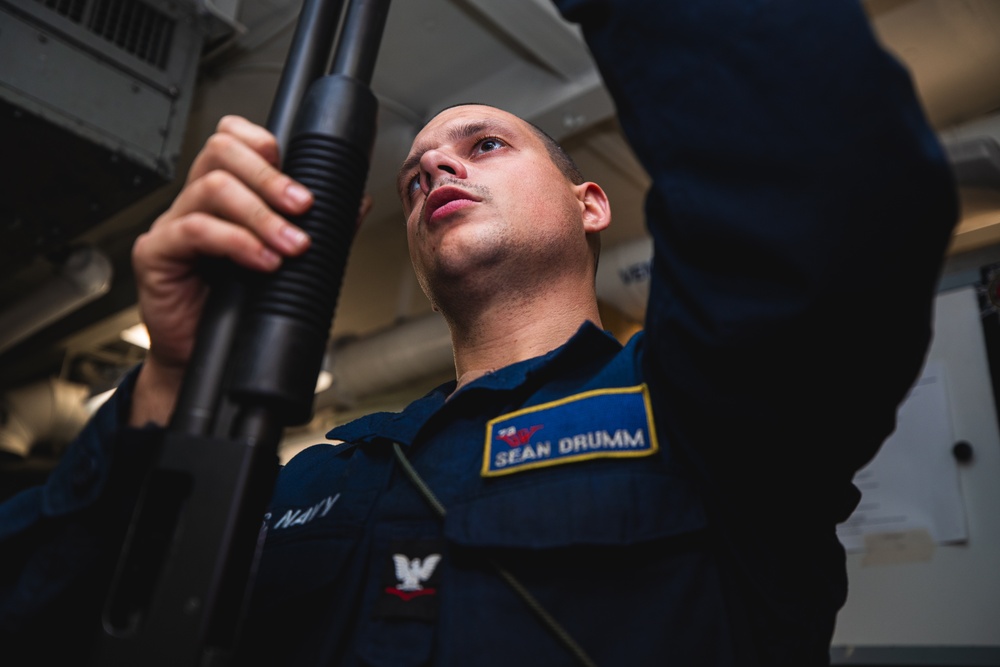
x,y
280,349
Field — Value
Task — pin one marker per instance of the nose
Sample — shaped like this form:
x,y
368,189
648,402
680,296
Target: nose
x,y
435,164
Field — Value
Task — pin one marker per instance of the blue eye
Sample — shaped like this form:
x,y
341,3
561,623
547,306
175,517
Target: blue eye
x,y
413,185
490,144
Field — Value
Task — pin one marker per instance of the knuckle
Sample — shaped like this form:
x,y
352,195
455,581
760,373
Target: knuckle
x,y
271,179
219,143
215,181
227,123
140,249
261,218
269,147
198,166
192,227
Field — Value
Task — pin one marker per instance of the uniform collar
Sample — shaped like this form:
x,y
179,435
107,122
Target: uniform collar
x,y
588,345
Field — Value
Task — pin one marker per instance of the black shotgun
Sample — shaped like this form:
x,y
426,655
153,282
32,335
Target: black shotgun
x,y
187,564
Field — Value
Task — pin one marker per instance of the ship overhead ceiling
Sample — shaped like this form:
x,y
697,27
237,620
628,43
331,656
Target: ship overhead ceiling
x,y
516,54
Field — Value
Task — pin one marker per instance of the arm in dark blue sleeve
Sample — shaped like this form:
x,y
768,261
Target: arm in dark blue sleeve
x,y
800,209
59,542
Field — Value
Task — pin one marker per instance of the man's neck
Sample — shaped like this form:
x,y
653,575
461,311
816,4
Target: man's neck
x,y
516,326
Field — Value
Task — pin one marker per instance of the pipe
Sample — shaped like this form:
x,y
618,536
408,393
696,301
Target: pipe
x,y
393,357
50,411
84,276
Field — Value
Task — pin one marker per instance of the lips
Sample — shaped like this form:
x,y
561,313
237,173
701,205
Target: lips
x,y
446,200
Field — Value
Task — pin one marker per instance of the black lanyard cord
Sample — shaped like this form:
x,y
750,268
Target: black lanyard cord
x,y
536,607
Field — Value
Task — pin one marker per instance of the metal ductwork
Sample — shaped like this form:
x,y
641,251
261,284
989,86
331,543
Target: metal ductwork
x,y
392,358
50,412
94,99
84,275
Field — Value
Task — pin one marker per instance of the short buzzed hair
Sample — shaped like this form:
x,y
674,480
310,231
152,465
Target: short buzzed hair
x,y
560,158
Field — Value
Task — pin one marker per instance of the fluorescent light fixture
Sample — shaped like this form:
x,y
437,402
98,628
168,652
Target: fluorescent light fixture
x,y
137,335
324,381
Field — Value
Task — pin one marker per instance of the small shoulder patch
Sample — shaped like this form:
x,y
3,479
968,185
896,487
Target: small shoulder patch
x,y
613,422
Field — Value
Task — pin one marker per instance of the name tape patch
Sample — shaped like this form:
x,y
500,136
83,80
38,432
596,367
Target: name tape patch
x,y
614,422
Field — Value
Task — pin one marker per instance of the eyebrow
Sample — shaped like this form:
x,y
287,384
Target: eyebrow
x,y
455,134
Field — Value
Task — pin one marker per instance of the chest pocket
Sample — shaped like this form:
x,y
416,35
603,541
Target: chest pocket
x,y
304,602
619,558
597,508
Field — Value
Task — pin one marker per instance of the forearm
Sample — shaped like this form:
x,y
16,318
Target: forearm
x,y
155,395
777,127
800,210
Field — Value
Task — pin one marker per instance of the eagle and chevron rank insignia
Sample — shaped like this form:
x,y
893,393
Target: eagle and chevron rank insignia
x,y
410,580
412,573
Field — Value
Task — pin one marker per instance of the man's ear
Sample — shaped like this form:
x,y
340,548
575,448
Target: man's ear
x,y
596,209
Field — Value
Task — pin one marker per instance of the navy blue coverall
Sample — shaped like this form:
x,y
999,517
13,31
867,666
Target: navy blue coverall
x,y
673,502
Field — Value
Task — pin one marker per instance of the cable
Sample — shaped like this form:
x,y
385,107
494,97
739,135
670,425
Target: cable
x,y
536,607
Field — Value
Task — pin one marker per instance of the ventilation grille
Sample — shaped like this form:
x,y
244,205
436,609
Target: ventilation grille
x,y
131,25
71,9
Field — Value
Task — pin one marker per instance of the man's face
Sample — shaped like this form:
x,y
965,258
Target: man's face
x,y
479,190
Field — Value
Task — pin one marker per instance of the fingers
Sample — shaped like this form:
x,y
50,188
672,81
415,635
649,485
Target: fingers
x,y
250,153
252,135
224,197
169,250
231,205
